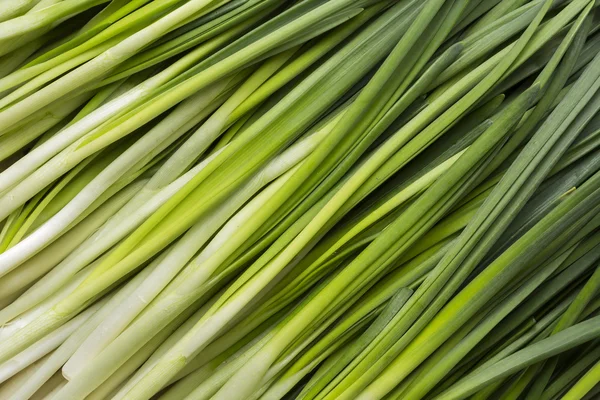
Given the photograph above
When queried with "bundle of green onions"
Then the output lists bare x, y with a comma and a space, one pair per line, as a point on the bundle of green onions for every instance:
309, 199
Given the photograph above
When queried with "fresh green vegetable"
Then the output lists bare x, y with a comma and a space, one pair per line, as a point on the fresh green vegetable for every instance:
308, 199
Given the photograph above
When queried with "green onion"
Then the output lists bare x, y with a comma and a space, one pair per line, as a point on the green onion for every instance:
309, 199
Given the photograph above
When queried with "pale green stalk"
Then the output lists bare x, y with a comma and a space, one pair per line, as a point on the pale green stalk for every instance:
214, 126
119, 224
212, 385
345, 330
51, 394
46, 204
114, 107
25, 318
52, 69
155, 345
186, 247
215, 377
13, 8
45, 16
89, 383
353, 320
227, 348
137, 342
248, 15
43, 120
36, 39
45, 345
99, 30
9, 387
26, 45
61, 355
123, 50
118, 14
124, 125
169, 129
145, 355
154, 348
102, 63
39, 81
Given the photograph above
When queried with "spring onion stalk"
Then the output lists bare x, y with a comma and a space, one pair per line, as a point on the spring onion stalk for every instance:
296, 372
37, 37
321, 189
568, 376
449, 307
176, 124
9, 386
225, 388
40, 123
584, 385
144, 355
45, 345
218, 357
57, 70
58, 357
317, 199
294, 285
578, 263
26, 318
86, 253
16, 8
581, 333
135, 96
185, 248
151, 283
147, 355
49, 15
435, 364
103, 62
570, 317
364, 378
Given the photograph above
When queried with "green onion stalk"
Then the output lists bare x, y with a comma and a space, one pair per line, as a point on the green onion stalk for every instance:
317, 199
243, 369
